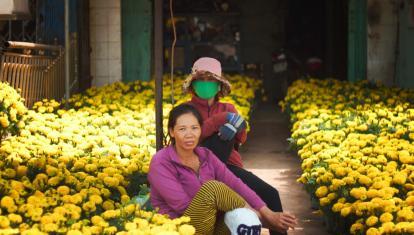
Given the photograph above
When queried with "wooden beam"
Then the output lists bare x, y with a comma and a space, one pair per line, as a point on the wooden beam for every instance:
85, 79
158, 71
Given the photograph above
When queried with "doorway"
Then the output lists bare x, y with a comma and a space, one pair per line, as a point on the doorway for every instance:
319, 28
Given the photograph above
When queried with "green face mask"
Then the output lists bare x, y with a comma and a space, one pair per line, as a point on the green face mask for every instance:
206, 89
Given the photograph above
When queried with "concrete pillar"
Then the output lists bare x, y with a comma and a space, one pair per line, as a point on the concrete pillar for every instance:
405, 61
382, 36
105, 36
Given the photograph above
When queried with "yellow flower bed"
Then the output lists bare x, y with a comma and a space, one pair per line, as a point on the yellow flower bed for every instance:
12, 110
74, 170
356, 145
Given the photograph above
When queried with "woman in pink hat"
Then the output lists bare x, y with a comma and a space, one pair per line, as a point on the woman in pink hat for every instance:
223, 128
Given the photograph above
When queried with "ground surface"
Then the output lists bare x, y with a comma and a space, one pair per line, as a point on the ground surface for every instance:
266, 154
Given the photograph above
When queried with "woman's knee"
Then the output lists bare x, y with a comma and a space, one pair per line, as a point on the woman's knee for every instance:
267, 189
219, 194
272, 199
275, 192
213, 185
213, 188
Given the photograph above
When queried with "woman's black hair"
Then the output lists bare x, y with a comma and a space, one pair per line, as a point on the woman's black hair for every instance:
179, 110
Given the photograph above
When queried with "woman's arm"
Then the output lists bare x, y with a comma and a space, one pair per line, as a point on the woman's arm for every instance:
212, 124
242, 135
279, 221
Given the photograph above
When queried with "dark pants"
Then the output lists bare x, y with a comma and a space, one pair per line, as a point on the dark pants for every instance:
266, 192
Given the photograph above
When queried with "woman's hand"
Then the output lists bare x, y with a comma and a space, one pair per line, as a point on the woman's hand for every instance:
237, 121
278, 221
281, 221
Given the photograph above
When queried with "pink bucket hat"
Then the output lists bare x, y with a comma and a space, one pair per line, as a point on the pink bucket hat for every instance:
210, 67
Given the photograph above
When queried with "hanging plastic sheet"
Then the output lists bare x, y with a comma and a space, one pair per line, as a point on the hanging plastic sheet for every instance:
14, 9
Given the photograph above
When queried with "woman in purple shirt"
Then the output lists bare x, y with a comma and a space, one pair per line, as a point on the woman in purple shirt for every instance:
187, 180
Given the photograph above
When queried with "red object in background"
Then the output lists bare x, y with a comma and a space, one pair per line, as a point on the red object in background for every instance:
313, 64
279, 62
277, 57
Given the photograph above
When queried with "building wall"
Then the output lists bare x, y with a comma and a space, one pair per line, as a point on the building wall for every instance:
382, 36
405, 59
105, 36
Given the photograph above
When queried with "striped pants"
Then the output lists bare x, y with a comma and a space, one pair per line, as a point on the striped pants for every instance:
207, 208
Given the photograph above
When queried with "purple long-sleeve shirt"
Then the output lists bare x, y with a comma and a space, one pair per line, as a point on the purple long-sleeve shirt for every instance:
174, 185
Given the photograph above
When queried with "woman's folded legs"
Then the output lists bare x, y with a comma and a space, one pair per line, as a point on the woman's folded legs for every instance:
211, 201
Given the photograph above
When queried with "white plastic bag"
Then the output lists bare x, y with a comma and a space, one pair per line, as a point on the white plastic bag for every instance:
242, 221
